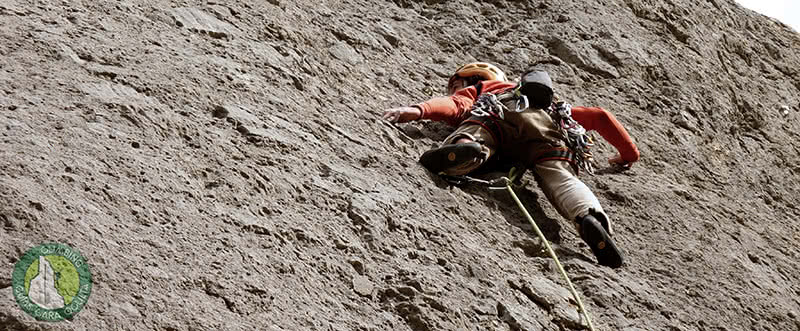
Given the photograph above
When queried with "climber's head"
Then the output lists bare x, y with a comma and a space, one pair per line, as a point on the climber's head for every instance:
472, 73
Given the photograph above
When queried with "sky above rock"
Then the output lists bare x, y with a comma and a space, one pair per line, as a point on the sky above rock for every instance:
786, 11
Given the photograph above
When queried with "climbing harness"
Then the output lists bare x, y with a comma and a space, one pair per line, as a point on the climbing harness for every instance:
506, 183
578, 141
491, 106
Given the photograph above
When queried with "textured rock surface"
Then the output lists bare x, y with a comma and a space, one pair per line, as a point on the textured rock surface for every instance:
222, 165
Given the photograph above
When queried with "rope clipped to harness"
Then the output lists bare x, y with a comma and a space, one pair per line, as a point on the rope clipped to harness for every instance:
506, 183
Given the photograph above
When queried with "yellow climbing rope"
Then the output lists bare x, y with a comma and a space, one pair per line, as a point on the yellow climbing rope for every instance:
506, 182
512, 175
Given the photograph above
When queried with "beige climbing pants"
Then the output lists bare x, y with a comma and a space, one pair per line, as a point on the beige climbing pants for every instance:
557, 178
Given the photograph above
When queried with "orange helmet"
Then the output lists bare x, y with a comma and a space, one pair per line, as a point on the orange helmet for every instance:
472, 73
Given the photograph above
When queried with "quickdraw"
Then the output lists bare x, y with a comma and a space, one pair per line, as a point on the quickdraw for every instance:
574, 134
488, 105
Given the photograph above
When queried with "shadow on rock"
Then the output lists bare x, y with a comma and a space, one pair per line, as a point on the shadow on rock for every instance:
501, 199
551, 228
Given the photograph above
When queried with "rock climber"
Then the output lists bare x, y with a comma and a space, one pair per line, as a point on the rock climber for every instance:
526, 124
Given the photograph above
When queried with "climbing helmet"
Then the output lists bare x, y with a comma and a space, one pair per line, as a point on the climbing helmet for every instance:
472, 73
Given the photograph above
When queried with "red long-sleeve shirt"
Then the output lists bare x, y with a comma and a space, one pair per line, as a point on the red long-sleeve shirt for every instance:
456, 108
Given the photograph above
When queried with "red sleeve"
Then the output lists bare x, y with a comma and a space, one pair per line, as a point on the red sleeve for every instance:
455, 109
602, 121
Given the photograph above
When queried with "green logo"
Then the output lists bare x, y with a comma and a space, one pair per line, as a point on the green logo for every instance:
52, 282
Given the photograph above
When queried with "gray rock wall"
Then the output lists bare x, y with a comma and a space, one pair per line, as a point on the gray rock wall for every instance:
222, 166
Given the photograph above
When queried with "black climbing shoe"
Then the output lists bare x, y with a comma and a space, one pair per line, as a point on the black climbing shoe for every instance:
603, 247
448, 156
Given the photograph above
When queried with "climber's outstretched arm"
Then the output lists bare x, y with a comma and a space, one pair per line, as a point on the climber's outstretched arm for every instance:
451, 109
602, 121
